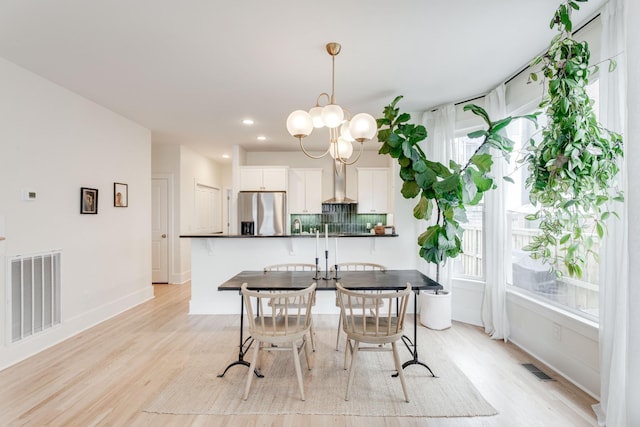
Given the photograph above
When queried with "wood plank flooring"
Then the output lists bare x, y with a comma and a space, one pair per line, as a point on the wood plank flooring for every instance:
105, 376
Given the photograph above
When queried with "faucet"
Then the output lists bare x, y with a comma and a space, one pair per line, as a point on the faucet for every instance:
297, 226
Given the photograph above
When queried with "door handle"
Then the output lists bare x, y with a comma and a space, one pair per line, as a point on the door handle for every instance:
164, 236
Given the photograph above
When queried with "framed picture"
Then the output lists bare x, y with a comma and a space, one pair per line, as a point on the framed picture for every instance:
88, 200
120, 195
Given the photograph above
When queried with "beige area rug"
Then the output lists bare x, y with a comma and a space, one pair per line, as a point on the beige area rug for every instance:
197, 389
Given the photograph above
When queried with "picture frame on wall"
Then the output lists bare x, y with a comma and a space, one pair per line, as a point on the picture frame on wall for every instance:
120, 195
88, 200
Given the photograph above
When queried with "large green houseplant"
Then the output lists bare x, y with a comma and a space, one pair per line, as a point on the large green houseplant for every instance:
572, 169
443, 191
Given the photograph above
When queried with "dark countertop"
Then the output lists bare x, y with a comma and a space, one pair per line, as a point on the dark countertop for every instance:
297, 236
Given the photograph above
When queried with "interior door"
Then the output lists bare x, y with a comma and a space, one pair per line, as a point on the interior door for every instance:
159, 231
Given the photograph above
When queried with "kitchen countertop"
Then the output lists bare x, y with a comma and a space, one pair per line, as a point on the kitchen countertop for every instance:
239, 236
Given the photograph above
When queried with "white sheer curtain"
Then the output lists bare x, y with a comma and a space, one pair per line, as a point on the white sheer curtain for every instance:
614, 277
438, 147
496, 256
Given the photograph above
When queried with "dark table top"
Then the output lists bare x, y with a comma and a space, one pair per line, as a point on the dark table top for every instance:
364, 280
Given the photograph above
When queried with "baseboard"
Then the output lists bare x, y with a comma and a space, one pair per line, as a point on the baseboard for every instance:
180, 278
14, 353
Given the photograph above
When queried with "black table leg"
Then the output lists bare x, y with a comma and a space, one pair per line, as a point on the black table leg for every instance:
244, 347
413, 346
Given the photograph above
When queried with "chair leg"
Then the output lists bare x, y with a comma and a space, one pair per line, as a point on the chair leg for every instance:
347, 353
396, 359
312, 333
254, 360
354, 353
296, 363
338, 333
306, 352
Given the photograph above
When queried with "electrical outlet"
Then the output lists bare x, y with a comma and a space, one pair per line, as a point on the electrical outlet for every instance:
557, 332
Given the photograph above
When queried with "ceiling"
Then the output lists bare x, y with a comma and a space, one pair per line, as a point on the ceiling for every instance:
192, 70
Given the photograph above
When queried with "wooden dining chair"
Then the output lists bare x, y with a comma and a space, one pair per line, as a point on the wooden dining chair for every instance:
354, 266
295, 267
290, 267
275, 327
376, 327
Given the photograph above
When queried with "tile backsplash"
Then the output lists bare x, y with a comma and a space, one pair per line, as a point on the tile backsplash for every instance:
341, 218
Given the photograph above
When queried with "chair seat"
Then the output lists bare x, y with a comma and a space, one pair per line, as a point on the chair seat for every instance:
288, 327
374, 330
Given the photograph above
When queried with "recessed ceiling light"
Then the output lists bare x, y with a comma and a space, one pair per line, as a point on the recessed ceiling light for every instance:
262, 138
247, 121
226, 156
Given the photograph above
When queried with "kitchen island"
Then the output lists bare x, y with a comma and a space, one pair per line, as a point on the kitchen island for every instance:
216, 258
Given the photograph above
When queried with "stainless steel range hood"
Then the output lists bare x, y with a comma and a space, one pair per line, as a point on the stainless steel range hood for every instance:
340, 188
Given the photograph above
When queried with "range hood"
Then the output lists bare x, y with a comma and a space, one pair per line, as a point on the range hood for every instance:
340, 188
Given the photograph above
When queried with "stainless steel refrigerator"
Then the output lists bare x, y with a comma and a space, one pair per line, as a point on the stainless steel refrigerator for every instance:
262, 213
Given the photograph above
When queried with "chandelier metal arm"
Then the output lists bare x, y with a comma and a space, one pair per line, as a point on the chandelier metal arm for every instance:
345, 162
320, 96
311, 155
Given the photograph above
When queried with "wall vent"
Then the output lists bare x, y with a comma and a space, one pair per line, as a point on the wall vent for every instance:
33, 298
537, 372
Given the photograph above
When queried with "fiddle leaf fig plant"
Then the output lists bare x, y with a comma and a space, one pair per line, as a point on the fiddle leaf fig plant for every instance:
572, 169
443, 190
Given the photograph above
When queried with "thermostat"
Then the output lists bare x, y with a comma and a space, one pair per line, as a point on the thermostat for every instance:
28, 195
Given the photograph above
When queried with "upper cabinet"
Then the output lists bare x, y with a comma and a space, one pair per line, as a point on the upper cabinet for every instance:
373, 190
263, 178
305, 191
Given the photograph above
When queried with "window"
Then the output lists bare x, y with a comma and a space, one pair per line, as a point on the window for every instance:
579, 296
469, 264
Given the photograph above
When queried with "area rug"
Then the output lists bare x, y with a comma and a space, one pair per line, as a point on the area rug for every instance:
197, 389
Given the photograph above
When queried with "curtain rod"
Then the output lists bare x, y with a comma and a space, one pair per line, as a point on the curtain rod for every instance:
597, 15
470, 99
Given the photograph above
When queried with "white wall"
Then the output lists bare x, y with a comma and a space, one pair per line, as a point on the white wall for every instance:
53, 142
568, 344
186, 168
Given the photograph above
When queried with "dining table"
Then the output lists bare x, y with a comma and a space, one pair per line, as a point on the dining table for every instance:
354, 280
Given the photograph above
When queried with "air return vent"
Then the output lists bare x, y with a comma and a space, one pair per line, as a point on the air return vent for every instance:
537, 372
34, 294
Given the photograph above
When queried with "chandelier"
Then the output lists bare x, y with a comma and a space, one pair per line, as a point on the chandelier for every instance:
343, 131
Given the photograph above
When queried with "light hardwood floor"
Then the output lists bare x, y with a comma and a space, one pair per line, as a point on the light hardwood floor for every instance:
105, 376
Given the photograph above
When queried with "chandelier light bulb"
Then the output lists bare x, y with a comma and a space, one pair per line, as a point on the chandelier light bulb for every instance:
341, 150
344, 131
363, 127
316, 116
299, 124
332, 115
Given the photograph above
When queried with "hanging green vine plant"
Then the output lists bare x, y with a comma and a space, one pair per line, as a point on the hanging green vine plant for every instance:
441, 189
572, 168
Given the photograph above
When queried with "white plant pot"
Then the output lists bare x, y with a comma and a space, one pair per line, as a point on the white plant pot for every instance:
435, 310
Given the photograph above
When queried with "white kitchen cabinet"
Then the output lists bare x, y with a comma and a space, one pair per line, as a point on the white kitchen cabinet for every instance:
305, 191
373, 190
259, 178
